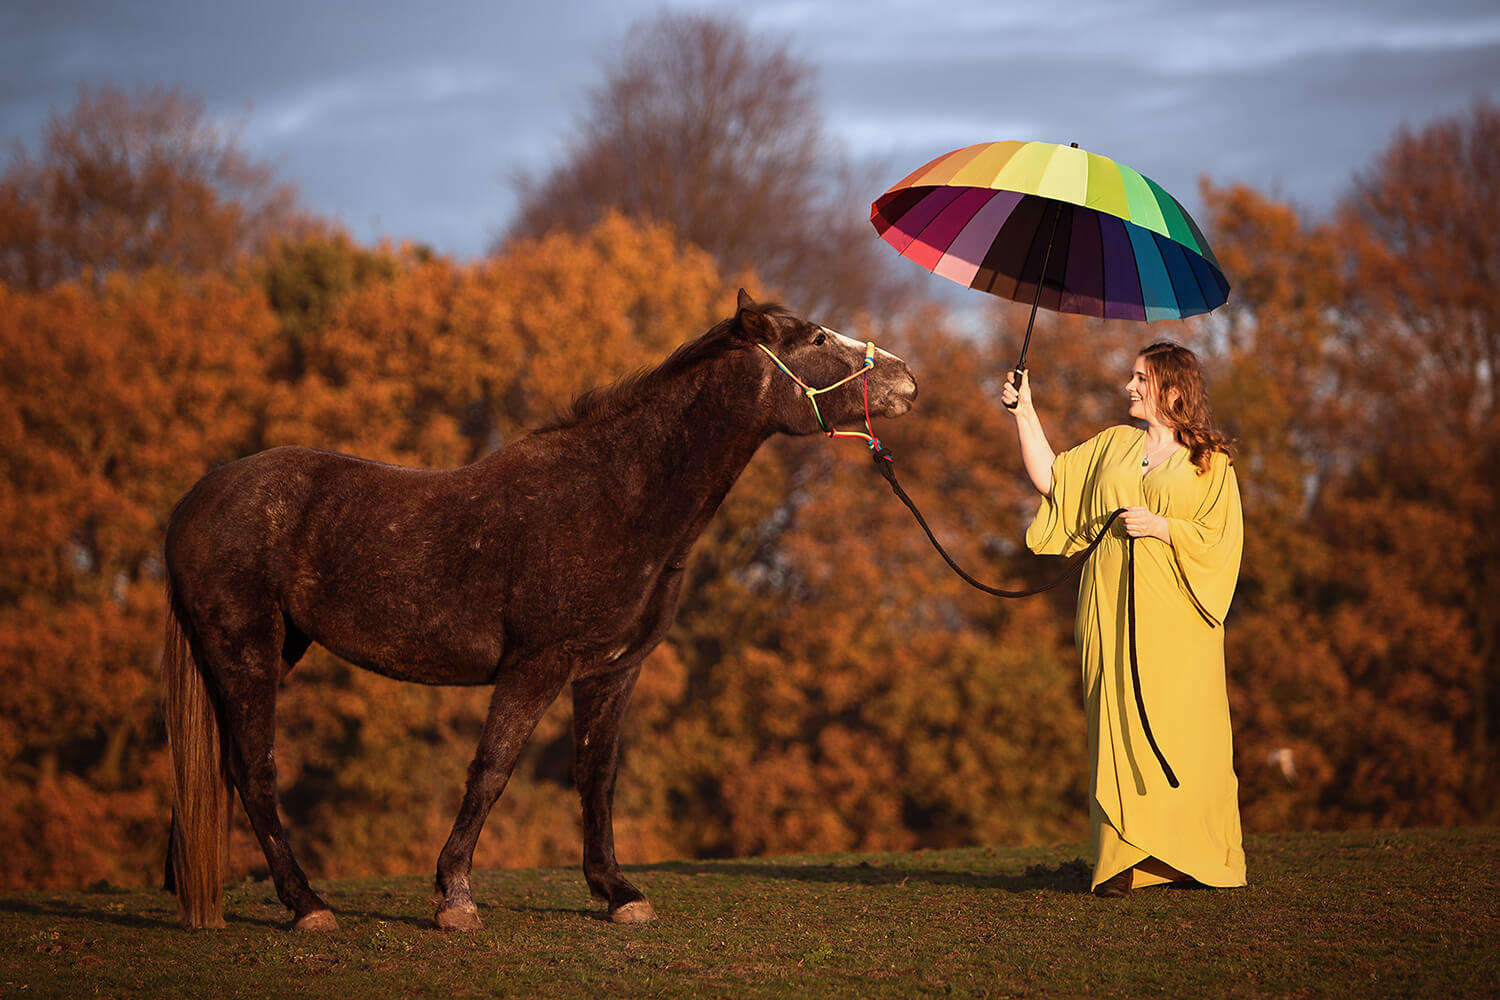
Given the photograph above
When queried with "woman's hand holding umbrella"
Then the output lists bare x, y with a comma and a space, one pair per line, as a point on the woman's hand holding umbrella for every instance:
1018, 400
1036, 452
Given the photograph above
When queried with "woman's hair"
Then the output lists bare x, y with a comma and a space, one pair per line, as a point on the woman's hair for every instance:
1174, 367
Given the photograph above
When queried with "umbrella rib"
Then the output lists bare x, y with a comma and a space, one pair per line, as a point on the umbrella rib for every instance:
1098, 259
1182, 285
1165, 247
1136, 291
1202, 269
1197, 283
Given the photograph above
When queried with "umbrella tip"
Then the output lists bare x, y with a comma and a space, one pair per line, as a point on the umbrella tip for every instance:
1075, 145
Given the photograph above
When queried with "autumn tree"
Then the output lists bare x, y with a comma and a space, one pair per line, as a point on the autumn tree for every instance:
125, 182
131, 361
1278, 397
717, 132
1358, 383
1427, 350
114, 398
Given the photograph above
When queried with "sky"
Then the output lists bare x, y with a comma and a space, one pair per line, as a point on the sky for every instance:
406, 120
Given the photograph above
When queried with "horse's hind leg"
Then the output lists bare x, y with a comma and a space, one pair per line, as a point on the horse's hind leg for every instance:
598, 710
521, 696
246, 662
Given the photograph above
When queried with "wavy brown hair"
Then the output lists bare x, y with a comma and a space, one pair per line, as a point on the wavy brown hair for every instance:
1172, 366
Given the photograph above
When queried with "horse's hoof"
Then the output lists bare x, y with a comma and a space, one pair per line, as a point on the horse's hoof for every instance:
637, 911
317, 920
463, 917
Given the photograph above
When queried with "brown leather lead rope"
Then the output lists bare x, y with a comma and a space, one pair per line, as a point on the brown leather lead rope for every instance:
887, 467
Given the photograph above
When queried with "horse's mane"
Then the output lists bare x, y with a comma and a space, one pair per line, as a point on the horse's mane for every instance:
607, 401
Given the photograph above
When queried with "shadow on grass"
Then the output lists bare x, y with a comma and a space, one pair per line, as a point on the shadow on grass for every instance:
1069, 877
67, 909
63, 909
94, 904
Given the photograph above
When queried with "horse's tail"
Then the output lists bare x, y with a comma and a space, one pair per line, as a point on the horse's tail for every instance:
198, 847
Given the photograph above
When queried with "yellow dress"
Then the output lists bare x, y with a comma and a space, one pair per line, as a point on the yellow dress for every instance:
1183, 591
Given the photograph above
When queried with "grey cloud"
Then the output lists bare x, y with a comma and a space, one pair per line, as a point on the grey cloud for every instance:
407, 120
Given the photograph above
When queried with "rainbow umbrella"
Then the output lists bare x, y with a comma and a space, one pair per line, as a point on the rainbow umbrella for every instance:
1056, 226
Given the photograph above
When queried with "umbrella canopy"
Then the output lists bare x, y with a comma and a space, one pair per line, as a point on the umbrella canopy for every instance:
1055, 226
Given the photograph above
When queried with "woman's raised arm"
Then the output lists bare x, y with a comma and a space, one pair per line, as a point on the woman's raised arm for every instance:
1036, 453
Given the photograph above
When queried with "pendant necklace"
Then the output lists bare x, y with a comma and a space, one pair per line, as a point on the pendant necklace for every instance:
1146, 457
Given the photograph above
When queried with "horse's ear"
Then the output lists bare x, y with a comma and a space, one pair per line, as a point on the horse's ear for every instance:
751, 320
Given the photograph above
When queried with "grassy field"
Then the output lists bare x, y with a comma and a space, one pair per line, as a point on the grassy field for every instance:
1368, 914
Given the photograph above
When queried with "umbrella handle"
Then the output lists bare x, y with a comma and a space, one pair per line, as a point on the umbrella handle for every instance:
1015, 381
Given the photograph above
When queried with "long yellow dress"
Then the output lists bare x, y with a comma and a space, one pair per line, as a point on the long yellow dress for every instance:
1183, 591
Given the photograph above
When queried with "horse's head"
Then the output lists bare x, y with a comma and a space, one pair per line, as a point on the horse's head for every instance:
798, 356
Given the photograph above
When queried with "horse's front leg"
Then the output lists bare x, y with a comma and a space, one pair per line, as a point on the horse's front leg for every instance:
520, 698
598, 709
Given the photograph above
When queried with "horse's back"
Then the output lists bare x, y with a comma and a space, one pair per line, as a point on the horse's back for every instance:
266, 495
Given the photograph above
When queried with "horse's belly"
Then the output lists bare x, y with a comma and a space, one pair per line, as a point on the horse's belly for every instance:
430, 647
422, 663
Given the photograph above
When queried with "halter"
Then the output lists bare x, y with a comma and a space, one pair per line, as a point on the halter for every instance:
812, 395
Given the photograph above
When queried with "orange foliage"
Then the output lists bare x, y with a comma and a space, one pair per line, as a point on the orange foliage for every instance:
1367, 644
115, 399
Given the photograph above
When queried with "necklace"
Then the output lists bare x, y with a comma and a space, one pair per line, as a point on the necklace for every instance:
1147, 456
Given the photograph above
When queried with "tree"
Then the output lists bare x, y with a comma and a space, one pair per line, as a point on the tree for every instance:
1279, 394
1353, 648
1424, 256
717, 133
113, 399
128, 182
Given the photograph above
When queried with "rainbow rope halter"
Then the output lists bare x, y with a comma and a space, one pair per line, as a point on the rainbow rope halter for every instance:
871, 441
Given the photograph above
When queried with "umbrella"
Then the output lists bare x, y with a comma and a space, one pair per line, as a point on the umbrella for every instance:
1056, 226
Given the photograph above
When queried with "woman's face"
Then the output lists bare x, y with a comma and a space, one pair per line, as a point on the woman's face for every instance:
1142, 392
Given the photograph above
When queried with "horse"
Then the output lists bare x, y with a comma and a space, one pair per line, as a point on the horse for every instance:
557, 559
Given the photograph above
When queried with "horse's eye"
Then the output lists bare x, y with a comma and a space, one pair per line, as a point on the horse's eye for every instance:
818, 340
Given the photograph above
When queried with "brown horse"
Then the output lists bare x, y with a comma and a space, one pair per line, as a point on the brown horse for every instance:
556, 559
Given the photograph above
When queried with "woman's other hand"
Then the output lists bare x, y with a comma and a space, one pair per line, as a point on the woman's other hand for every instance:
1143, 523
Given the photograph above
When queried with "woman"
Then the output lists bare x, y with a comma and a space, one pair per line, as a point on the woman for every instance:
1182, 507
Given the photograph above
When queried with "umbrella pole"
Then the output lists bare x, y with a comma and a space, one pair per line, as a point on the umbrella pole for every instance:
1015, 375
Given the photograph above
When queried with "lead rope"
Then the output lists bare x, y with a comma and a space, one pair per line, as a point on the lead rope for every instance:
1135, 667
887, 467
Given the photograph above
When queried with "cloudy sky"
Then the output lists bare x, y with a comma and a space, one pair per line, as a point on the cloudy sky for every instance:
408, 119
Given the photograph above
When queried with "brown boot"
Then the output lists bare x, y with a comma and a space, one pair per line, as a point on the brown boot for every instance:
1115, 886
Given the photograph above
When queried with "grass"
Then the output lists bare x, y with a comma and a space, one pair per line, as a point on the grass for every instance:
1351, 914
